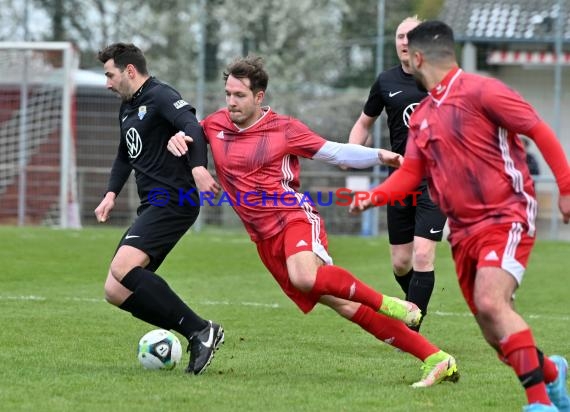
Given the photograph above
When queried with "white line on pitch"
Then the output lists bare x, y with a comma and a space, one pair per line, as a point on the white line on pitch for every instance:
268, 305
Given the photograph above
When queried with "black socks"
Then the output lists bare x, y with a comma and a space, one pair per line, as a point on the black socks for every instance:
153, 301
404, 281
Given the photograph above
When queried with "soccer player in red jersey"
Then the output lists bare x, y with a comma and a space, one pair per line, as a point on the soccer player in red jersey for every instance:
255, 151
416, 224
464, 138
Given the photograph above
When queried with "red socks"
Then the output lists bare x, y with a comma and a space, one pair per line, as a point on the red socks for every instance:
520, 351
393, 332
336, 281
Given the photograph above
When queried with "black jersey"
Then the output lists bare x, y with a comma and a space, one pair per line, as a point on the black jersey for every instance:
398, 92
154, 114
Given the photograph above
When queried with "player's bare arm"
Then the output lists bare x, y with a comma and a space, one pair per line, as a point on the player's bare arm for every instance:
178, 144
389, 158
359, 206
204, 180
360, 133
104, 209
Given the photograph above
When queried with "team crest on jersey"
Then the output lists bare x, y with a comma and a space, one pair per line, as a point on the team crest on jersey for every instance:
180, 103
408, 113
134, 143
142, 112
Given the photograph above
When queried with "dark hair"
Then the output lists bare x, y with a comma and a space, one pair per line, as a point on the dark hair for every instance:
250, 67
434, 38
124, 54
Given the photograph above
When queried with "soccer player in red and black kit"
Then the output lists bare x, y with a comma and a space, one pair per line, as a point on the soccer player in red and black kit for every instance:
150, 113
416, 225
255, 152
464, 138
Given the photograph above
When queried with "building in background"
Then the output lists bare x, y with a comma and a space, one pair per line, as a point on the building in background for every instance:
516, 41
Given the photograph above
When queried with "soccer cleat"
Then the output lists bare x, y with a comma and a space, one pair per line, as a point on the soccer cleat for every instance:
437, 368
407, 312
539, 407
202, 346
557, 389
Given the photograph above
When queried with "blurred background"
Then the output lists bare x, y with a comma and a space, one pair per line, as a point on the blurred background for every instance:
322, 57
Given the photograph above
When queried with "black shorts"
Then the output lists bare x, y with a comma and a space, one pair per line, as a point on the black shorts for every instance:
156, 230
423, 219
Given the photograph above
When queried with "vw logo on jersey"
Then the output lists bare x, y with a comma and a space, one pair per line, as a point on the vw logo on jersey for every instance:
134, 143
408, 113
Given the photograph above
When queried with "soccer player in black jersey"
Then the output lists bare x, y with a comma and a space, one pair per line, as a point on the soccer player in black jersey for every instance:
413, 229
150, 113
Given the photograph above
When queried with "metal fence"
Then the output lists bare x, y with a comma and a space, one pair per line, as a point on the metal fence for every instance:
323, 183
97, 134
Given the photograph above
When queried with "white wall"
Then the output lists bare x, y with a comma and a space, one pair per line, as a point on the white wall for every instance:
536, 84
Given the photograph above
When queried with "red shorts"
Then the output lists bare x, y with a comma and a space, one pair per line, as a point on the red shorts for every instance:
296, 237
506, 246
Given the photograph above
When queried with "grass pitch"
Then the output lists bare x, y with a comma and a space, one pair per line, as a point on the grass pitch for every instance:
62, 348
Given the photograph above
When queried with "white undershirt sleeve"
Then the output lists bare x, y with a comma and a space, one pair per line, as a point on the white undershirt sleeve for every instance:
348, 154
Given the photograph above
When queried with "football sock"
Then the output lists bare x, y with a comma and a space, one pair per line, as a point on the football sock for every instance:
420, 290
393, 332
521, 353
155, 301
336, 281
404, 281
137, 307
548, 367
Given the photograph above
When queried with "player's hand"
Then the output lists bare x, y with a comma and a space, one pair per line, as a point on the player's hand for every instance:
564, 206
358, 206
104, 209
389, 158
204, 181
178, 144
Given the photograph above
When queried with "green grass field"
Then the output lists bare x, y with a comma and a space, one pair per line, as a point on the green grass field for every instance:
64, 349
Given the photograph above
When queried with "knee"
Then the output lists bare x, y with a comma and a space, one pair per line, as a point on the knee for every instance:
401, 264
346, 309
112, 292
423, 260
302, 280
487, 307
120, 267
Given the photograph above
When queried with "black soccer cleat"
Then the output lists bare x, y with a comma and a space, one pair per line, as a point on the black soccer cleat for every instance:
202, 346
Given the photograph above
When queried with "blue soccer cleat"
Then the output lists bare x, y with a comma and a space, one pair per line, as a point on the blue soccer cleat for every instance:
557, 389
539, 407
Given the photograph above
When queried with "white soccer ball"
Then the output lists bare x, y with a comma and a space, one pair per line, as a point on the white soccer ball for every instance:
159, 349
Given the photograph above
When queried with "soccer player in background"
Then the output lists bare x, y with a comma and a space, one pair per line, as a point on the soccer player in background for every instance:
415, 227
464, 138
255, 151
150, 113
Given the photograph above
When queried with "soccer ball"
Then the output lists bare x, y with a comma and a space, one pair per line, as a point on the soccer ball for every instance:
159, 349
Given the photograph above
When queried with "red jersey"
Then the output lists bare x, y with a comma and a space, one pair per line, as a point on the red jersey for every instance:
258, 167
465, 135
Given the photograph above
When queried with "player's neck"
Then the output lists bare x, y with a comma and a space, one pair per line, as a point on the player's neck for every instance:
254, 119
138, 83
437, 75
406, 67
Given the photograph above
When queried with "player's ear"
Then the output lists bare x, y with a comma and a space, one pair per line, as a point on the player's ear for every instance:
418, 58
131, 70
259, 96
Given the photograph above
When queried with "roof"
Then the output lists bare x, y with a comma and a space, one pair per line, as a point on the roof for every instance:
529, 21
534, 58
